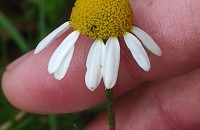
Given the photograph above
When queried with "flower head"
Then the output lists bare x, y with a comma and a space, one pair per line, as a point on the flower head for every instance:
101, 20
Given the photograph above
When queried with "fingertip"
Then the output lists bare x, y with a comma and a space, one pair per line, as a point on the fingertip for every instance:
18, 61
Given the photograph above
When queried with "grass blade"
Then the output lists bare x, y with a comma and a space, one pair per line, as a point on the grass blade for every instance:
7, 24
41, 22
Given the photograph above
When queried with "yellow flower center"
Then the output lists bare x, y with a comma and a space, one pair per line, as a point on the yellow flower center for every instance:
102, 18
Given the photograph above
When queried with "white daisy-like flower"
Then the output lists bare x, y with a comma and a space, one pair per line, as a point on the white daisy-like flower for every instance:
102, 20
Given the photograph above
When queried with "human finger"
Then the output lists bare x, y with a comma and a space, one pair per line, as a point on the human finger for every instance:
170, 104
30, 81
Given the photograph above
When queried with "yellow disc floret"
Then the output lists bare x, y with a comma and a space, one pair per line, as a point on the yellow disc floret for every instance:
102, 18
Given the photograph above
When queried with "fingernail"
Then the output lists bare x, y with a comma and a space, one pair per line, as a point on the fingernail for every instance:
17, 61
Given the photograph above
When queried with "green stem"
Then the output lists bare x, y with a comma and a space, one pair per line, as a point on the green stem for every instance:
110, 109
53, 122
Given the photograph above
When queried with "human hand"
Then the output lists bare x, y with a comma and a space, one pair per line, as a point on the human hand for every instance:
166, 104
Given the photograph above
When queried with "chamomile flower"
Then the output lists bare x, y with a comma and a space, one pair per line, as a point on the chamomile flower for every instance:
104, 21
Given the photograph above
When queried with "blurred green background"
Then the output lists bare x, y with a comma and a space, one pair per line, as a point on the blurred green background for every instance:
23, 23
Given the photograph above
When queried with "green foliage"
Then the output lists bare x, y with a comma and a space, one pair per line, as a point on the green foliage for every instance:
22, 24
7, 24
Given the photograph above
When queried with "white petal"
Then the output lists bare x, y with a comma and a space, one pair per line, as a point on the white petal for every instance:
93, 74
62, 70
63, 49
111, 62
49, 38
148, 42
137, 51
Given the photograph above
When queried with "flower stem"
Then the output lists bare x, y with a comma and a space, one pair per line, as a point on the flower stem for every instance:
110, 109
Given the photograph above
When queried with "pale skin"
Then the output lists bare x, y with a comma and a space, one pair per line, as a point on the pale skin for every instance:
170, 100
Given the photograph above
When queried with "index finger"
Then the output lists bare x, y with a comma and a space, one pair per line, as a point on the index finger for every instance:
28, 85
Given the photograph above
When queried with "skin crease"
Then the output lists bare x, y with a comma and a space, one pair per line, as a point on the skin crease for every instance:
174, 25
